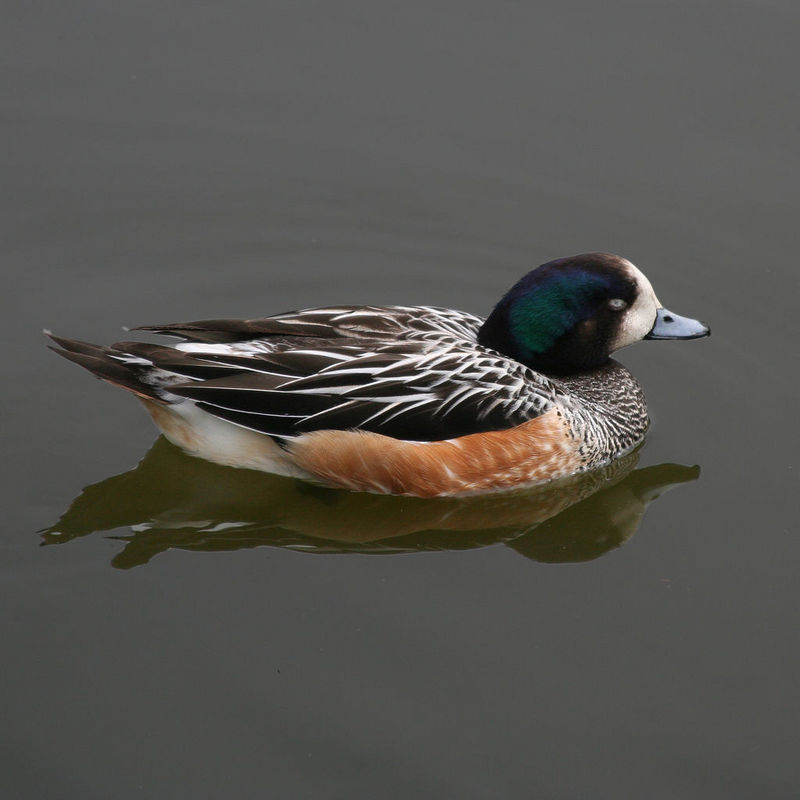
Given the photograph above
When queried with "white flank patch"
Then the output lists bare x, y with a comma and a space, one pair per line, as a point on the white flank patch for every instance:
206, 436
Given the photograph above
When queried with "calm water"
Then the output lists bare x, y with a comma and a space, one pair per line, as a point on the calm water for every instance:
192, 631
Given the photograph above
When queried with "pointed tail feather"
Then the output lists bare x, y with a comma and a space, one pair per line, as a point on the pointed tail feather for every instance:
100, 361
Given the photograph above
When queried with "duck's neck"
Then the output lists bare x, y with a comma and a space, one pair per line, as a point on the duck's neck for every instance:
607, 406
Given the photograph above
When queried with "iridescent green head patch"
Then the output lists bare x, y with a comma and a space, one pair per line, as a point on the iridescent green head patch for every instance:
542, 314
540, 320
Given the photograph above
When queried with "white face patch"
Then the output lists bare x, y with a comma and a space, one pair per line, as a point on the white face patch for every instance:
640, 317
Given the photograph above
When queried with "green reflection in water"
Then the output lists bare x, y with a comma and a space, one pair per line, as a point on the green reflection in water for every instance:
171, 500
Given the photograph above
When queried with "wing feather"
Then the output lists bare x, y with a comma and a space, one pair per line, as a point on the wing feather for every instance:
410, 373
375, 322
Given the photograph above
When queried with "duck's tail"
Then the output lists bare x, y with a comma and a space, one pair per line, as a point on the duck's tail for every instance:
114, 366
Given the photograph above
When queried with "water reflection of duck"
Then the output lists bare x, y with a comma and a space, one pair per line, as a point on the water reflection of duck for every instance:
171, 500
418, 401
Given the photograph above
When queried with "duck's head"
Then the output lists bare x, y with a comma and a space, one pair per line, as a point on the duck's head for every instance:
569, 315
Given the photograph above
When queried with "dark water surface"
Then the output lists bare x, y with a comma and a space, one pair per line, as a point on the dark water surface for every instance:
193, 631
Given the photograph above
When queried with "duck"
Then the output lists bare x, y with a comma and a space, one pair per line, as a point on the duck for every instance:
409, 400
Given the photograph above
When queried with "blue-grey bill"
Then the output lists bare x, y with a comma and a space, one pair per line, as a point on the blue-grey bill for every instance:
674, 326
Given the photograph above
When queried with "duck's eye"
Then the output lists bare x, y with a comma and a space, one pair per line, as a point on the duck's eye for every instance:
617, 304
